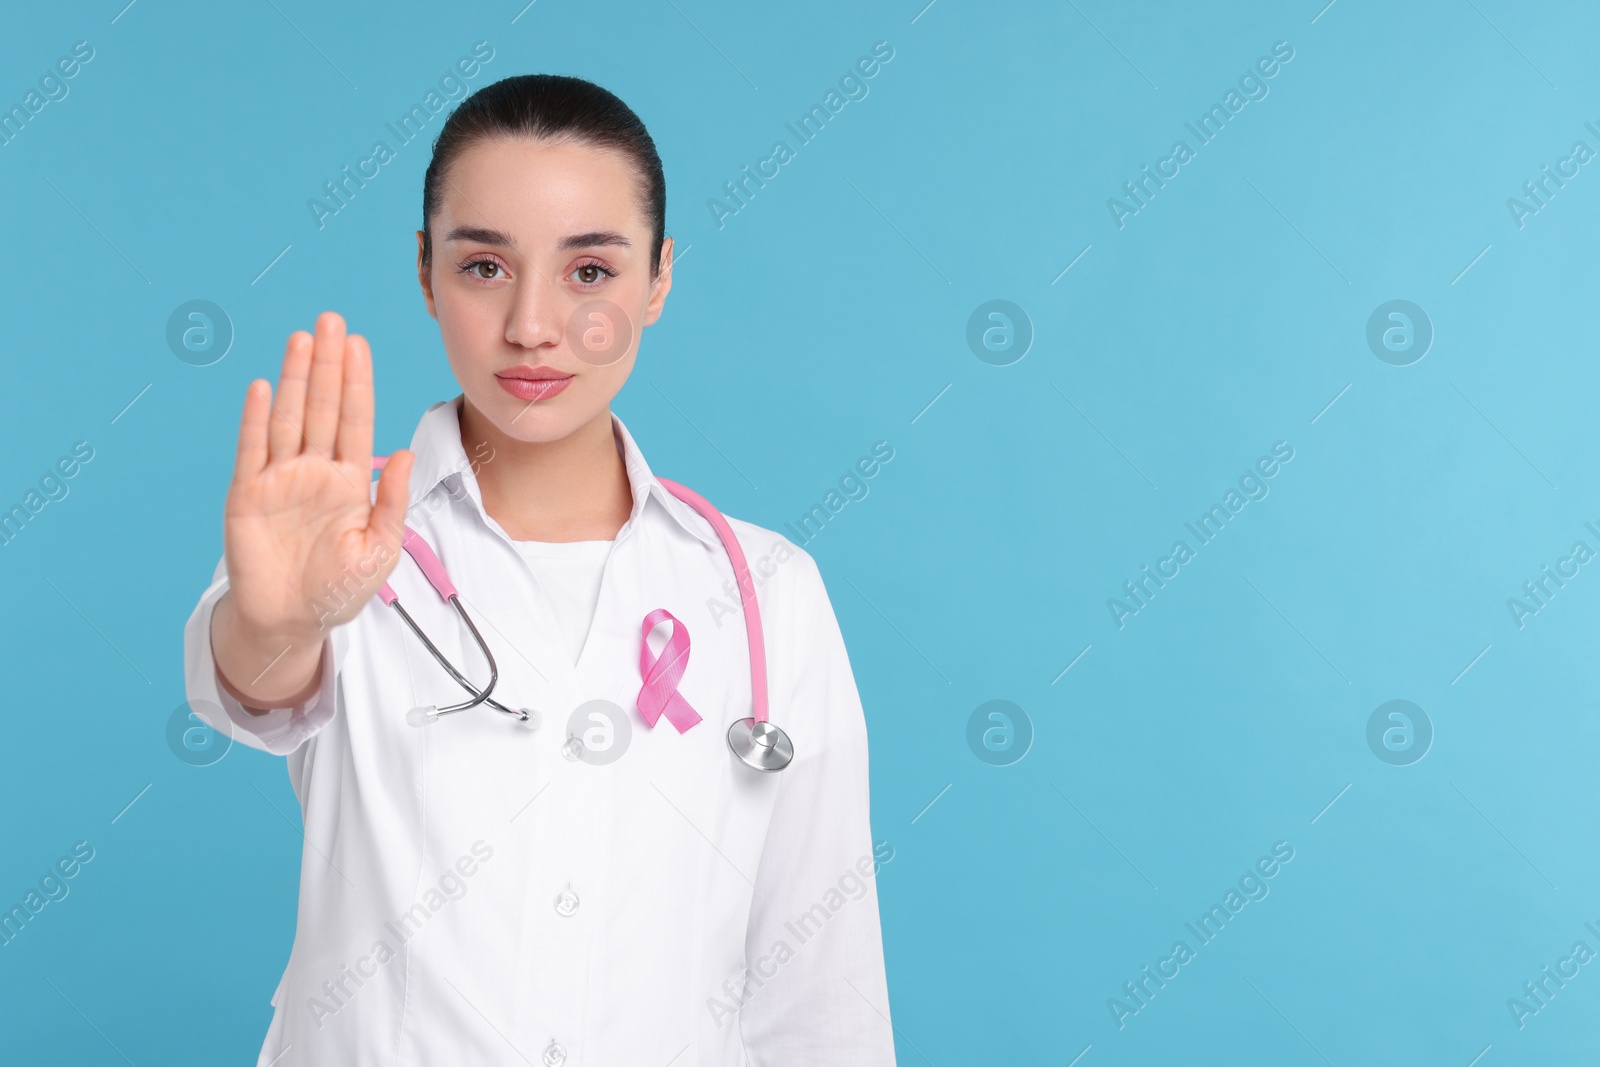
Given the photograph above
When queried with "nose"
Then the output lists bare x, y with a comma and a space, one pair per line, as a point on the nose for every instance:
538, 313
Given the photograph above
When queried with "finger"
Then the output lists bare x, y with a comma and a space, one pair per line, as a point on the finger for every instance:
283, 441
388, 518
327, 372
251, 456
355, 404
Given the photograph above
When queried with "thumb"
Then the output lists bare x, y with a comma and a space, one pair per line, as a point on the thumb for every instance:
387, 522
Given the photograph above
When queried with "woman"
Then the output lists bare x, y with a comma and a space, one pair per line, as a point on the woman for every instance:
584, 887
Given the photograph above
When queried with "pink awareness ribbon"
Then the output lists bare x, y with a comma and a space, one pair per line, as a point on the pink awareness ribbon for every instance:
662, 673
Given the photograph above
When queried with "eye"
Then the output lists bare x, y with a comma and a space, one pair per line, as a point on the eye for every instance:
471, 267
590, 274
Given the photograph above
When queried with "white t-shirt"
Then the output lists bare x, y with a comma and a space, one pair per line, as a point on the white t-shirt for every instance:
569, 573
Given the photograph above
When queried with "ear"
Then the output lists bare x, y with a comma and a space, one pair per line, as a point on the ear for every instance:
425, 277
661, 286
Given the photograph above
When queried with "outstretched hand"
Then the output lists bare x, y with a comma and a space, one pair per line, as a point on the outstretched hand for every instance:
300, 527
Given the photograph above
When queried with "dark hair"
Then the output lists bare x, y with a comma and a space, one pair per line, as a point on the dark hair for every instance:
553, 107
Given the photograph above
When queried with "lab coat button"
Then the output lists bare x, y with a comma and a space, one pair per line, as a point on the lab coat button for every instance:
566, 902
554, 1055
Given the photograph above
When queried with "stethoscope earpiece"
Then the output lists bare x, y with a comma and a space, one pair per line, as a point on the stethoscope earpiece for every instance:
760, 744
427, 716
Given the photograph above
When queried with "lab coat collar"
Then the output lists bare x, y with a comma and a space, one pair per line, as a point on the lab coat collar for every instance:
440, 457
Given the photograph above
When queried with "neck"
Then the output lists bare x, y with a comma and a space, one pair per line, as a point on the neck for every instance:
574, 489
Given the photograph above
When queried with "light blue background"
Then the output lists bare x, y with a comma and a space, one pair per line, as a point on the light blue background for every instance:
826, 316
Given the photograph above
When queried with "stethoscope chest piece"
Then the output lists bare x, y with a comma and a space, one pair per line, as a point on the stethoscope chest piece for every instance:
760, 745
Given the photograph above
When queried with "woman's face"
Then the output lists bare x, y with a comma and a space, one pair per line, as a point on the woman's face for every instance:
541, 266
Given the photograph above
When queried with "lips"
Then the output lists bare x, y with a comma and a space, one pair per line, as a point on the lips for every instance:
533, 373
533, 383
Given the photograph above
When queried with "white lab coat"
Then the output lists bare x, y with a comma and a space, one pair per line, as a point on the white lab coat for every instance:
470, 895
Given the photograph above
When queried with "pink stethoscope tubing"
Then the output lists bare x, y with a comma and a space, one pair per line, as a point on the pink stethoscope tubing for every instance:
755, 730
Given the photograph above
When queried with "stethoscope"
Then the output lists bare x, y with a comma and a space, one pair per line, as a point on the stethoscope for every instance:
757, 742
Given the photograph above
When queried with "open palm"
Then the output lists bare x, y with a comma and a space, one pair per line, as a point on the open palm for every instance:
306, 545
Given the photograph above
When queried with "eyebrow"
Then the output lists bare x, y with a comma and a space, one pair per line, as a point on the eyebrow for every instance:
483, 235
